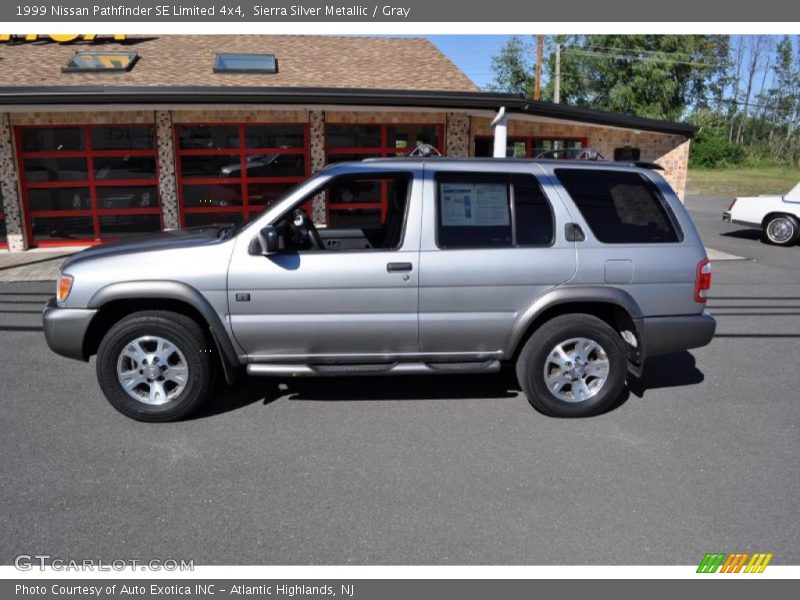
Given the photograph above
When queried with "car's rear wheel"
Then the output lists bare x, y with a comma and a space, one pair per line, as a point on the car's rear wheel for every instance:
781, 230
573, 366
155, 366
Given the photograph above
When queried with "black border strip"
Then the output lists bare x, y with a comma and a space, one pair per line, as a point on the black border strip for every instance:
514, 103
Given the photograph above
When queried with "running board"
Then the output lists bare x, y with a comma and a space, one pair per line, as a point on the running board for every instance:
399, 368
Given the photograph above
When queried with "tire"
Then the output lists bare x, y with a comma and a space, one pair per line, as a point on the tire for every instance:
136, 351
781, 230
601, 385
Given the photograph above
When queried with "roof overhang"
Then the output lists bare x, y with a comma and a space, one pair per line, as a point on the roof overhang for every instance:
245, 95
600, 117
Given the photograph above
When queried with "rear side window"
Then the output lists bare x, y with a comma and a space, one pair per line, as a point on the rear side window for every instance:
491, 211
621, 207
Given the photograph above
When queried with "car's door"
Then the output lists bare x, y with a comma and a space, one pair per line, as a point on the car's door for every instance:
490, 246
343, 303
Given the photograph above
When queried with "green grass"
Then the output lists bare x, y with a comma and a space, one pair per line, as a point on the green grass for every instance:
742, 181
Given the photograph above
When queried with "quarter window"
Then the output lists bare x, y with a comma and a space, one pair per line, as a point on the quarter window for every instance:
620, 207
492, 211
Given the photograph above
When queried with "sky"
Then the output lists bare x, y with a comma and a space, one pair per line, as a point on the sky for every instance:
471, 53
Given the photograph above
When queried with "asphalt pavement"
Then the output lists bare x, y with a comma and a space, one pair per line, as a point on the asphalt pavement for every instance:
701, 456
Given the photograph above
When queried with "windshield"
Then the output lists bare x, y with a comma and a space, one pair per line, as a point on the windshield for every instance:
793, 194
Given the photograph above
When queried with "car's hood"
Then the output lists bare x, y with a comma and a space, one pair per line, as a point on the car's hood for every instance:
165, 240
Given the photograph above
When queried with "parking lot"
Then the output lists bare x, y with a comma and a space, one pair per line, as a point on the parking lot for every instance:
702, 455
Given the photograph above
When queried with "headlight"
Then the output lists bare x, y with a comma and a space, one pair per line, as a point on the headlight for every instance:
64, 287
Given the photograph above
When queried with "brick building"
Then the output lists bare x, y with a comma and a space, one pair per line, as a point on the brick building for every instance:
102, 138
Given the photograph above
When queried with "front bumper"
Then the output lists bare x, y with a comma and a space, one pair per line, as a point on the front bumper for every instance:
65, 329
665, 335
726, 217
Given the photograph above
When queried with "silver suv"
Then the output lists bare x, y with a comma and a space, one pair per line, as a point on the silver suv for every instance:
573, 271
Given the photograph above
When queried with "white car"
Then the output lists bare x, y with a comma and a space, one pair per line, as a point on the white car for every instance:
777, 216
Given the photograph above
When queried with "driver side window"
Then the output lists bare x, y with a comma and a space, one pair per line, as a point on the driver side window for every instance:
366, 211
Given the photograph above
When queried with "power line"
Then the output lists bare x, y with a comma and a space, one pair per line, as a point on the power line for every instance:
642, 59
637, 50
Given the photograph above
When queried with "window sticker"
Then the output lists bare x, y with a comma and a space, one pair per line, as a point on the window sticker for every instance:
457, 201
474, 205
491, 205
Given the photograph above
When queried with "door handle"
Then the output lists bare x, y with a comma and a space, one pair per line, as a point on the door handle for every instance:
398, 267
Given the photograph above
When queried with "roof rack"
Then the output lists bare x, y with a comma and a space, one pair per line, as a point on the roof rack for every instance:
572, 153
571, 161
422, 150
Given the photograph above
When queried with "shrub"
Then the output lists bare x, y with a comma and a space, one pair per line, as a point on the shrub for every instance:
710, 149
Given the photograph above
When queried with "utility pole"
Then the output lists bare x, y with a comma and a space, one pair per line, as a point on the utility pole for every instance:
557, 83
537, 84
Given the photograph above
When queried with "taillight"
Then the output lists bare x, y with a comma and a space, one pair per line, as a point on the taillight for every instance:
702, 281
730, 208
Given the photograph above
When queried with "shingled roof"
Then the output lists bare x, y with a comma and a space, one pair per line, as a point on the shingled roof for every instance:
399, 63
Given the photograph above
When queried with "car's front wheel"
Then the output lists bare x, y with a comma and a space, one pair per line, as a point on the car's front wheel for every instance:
781, 230
573, 366
155, 366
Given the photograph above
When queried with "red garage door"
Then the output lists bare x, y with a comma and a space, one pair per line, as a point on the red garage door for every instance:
230, 172
366, 205
88, 183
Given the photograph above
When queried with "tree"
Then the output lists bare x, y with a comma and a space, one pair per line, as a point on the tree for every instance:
513, 67
657, 76
758, 51
743, 91
786, 91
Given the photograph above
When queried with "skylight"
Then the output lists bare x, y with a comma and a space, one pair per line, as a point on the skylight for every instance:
245, 63
91, 62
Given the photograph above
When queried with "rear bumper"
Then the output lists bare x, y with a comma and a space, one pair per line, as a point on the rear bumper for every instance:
65, 329
665, 335
727, 218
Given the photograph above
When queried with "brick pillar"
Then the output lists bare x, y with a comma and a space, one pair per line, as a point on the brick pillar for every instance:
167, 185
673, 156
12, 202
316, 132
457, 135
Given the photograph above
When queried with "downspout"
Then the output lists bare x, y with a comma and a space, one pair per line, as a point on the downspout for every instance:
500, 126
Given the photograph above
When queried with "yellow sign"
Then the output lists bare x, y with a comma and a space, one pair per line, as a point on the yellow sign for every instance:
61, 38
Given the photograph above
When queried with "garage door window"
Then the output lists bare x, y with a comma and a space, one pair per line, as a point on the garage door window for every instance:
533, 147
354, 142
492, 211
229, 173
620, 207
89, 183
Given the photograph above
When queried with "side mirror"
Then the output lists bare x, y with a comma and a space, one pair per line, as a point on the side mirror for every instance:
265, 242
